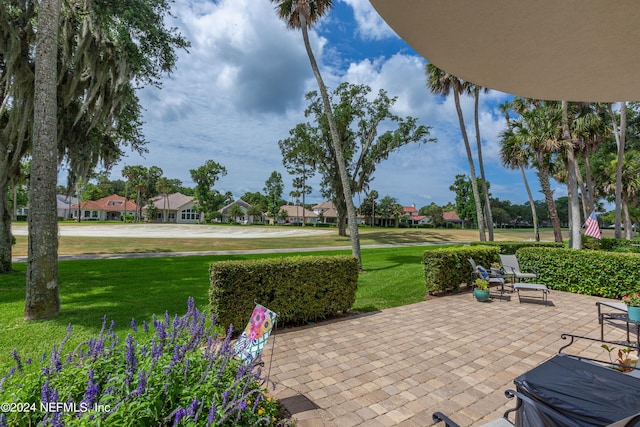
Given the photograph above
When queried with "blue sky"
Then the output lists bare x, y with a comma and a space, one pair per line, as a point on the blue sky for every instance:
241, 89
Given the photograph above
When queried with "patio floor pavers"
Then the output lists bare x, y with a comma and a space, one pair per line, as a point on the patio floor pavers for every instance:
450, 354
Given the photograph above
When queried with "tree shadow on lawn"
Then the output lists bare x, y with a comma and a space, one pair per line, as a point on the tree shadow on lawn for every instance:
393, 261
121, 291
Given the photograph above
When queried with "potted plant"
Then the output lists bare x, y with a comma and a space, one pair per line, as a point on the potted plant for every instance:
633, 306
481, 290
624, 363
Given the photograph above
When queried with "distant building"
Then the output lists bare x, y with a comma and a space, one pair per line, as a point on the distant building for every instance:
451, 217
64, 204
110, 208
244, 219
175, 208
410, 210
419, 220
294, 215
329, 214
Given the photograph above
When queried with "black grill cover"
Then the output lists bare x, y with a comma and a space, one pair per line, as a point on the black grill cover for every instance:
586, 393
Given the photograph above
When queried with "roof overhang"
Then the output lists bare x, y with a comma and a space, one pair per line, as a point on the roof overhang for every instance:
573, 50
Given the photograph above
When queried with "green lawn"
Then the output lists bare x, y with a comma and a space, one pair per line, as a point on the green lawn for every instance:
122, 289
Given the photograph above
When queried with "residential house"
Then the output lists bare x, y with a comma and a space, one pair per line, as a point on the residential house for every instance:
410, 210
327, 213
175, 208
451, 218
418, 220
412, 216
294, 215
64, 204
244, 219
110, 208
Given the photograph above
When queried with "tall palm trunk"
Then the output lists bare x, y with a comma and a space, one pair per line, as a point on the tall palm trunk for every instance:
545, 186
534, 214
575, 239
472, 169
337, 145
485, 189
588, 182
42, 298
628, 232
620, 135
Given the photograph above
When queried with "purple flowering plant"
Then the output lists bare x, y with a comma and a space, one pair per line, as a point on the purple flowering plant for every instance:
175, 372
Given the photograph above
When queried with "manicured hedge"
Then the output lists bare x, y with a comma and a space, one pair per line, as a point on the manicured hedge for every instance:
599, 273
445, 269
612, 245
510, 248
300, 289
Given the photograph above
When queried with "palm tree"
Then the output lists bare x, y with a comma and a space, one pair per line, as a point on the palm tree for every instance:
575, 238
440, 83
620, 135
630, 185
514, 154
373, 195
302, 14
537, 127
475, 91
164, 186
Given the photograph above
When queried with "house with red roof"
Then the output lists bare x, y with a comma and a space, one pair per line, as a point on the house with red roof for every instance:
410, 210
110, 208
451, 217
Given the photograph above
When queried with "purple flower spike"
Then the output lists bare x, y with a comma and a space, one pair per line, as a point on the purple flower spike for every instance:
133, 325
16, 357
132, 362
211, 418
180, 414
193, 408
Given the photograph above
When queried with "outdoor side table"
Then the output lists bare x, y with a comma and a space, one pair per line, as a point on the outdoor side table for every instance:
587, 393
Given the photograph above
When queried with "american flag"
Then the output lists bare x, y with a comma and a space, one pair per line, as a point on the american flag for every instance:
592, 227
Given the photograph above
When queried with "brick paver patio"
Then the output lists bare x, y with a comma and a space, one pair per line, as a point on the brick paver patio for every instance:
450, 354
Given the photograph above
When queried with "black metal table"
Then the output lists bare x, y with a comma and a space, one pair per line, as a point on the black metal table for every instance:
586, 393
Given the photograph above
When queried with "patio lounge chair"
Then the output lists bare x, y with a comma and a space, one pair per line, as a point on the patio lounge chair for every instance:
511, 268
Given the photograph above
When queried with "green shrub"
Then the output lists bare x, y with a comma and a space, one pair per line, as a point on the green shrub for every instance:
598, 273
445, 269
510, 248
611, 245
174, 372
299, 289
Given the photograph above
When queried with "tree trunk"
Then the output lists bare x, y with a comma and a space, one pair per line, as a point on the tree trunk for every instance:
628, 231
620, 141
42, 299
534, 214
575, 239
545, 186
485, 189
335, 138
5, 221
472, 169
589, 187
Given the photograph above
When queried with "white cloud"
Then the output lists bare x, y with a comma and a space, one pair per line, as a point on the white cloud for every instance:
370, 25
241, 89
